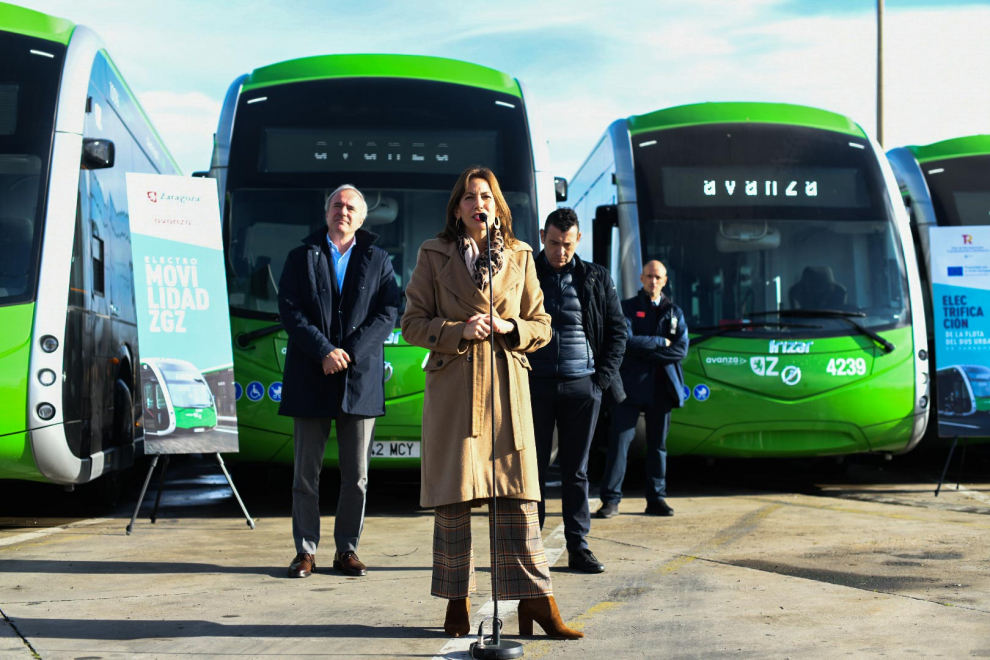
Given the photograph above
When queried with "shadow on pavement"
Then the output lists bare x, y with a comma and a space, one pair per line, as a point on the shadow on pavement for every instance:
75, 567
130, 629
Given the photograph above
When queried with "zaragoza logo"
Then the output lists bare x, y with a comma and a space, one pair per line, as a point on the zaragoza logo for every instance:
152, 195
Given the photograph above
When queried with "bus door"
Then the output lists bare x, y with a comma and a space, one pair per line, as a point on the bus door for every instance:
96, 325
156, 413
953, 395
112, 301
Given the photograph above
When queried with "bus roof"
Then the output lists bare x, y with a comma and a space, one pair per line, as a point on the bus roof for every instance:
42, 26
760, 113
35, 24
960, 147
382, 66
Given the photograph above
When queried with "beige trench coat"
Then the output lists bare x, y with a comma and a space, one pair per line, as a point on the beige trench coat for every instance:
457, 446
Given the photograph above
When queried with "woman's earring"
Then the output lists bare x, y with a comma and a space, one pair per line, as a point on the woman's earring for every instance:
497, 224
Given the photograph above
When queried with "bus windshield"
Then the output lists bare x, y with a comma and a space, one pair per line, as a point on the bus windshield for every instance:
190, 394
979, 380
29, 83
403, 143
960, 189
755, 219
186, 386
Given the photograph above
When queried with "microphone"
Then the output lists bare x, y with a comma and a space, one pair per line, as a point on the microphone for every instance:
483, 216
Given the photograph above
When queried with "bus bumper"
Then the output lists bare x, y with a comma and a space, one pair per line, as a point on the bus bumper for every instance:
57, 463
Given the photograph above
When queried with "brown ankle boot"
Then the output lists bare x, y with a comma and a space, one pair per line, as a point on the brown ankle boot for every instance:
458, 621
544, 612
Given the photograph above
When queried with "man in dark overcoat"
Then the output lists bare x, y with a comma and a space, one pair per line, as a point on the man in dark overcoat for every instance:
653, 382
338, 302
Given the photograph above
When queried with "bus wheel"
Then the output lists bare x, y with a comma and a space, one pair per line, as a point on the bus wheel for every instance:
123, 415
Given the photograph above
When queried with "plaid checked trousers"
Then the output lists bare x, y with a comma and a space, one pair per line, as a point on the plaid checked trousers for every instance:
522, 566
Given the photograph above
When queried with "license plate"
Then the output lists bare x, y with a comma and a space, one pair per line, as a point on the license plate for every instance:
395, 449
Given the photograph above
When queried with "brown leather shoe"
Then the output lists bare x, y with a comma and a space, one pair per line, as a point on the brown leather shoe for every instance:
458, 621
349, 564
302, 565
544, 612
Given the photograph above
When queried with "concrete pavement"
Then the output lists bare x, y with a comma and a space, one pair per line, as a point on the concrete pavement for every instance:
870, 567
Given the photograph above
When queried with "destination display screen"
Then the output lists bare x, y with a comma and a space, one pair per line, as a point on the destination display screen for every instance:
973, 207
8, 109
821, 187
960, 190
372, 150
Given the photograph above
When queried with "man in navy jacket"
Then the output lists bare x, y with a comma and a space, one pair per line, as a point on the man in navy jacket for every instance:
338, 302
653, 381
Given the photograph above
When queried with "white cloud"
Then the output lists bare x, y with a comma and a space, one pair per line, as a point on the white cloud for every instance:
589, 63
186, 123
937, 64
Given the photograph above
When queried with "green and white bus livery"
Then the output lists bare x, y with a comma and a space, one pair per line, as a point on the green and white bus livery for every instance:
177, 396
400, 128
945, 184
789, 251
69, 131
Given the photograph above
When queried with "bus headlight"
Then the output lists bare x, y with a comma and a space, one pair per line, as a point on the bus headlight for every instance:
46, 411
46, 377
923, 402
49, 344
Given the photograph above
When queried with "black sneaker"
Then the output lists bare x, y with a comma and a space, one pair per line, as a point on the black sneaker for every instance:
659, 508
607, 510
584, 561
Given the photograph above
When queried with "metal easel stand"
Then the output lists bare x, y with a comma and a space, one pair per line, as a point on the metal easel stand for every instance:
962, 464
161, 487
494, 646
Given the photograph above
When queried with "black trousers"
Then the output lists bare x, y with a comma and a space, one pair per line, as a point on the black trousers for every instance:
572, 407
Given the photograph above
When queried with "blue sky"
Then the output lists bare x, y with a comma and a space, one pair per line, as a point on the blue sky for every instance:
585, 63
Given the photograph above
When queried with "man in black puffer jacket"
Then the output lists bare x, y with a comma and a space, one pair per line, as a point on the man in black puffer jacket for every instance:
570, 373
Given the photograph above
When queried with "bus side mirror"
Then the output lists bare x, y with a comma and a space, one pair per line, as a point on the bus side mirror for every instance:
97, 154
606, 217
560, 187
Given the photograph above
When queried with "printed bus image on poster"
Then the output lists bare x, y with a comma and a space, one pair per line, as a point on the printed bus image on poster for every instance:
187, 374
960, 268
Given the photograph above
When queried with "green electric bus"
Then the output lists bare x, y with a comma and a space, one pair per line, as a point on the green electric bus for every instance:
177, 398
70, 129
789, 251
400, 128
945, 184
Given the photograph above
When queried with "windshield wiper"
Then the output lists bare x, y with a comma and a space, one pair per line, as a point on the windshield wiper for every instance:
243, 340
716, 330
833, 314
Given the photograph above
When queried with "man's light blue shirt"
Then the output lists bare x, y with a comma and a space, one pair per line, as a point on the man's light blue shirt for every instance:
340, 261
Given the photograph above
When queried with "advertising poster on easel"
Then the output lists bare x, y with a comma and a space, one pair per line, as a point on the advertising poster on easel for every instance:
187, 367
960, 271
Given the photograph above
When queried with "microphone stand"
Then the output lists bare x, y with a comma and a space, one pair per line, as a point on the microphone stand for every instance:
494, 646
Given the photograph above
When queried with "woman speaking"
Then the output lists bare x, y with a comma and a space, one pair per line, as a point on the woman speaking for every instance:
447, 303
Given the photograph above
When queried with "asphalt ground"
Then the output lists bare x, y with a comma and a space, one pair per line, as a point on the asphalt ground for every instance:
784, 559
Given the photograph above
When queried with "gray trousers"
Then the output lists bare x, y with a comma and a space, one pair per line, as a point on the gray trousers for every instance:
354, 436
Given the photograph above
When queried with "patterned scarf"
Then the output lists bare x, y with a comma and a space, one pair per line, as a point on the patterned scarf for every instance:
476, 259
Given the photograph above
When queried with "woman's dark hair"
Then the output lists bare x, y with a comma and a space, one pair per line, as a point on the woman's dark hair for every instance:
502, 211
